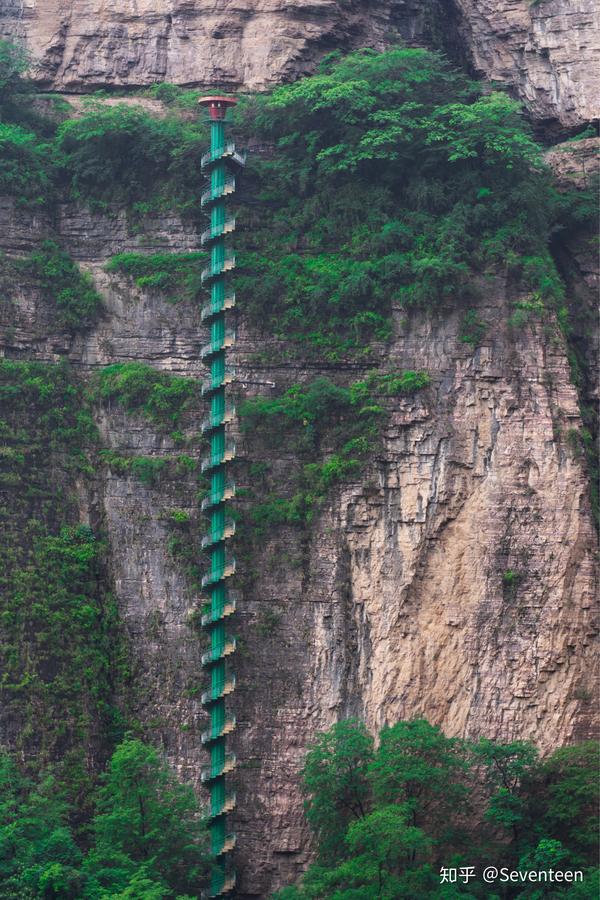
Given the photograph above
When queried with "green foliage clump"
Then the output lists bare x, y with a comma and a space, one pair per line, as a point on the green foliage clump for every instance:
48, 400
137, 387
13, 65
322, 418
473, 328
386, 818
123, 154
70, 291
147, 468
173, 95
564, 798
394, 182
24, 170
511, 579
52, 578
391, 385
146, 838
312, 406
175, 274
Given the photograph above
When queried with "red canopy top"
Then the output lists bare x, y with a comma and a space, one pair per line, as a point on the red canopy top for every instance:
217, 106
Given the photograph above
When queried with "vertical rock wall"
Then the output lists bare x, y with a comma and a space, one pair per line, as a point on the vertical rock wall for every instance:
400, 601
547, 51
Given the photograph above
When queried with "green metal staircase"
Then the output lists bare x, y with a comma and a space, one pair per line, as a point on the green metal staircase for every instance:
220, 165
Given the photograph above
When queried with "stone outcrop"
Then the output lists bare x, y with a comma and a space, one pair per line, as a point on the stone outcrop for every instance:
548, 51
577, 164
248, 44
453, 580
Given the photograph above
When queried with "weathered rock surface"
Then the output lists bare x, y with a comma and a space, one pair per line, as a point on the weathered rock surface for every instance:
547, 51
248, 44
577, 164
398, 603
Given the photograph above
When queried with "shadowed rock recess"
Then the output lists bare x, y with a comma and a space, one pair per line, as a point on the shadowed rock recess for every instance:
396, 602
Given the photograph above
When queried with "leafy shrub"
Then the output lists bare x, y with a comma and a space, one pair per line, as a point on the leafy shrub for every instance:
147, 468
138, 387
394, 181
473, 328
123, 154
525, 311
24, 170
177, 274
173, 95
72, 292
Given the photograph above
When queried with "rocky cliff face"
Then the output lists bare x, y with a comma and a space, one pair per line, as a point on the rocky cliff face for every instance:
547, 51
454, 580
246, 44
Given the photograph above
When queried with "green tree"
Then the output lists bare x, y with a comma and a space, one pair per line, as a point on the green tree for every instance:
38, 854
380, 847
335, 779
509, 768
147, 825
563, 800
417, 766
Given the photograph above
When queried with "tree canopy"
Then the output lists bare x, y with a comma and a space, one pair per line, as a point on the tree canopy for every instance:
388, 817
146, 840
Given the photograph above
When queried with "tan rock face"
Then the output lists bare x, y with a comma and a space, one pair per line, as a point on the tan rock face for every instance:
575, 163
548, 52
246, 43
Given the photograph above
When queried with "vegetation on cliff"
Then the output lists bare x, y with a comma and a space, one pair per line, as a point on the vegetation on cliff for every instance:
58, 693
138, 387
387, 819
395, 182
396, 179
331, 432
63, 651
146, 838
